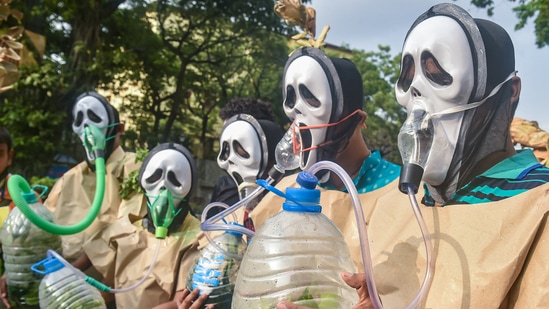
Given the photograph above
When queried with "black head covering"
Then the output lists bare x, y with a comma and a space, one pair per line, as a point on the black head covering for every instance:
114, 118
347, 92
484, 129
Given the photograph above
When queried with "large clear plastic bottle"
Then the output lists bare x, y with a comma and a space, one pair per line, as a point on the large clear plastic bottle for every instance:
297, 255
24, 244
62, 288
216, 267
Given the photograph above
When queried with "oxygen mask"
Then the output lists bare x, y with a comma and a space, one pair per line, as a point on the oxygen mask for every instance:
414, 142
163, 212
285, 155
93, 140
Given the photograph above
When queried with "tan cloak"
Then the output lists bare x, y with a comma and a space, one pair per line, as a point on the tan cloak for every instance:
123, 252
72, 196
490, 255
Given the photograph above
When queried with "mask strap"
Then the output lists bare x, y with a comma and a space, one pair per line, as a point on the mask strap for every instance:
319, 126
297, 145
464, 107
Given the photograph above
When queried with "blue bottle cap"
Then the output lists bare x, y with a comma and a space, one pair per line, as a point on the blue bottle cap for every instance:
307, 180
30, 197
306, 198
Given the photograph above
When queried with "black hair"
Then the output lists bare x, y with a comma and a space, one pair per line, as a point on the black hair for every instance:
5, 137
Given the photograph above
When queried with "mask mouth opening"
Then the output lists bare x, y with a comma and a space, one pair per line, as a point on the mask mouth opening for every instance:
238, 178
306, 141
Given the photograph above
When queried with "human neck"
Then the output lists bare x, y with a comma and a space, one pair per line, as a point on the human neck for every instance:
351, 159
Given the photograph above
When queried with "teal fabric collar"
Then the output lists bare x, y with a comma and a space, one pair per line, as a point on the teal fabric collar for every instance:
513, 167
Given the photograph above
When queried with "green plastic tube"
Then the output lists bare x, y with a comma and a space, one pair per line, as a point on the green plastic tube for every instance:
17, 186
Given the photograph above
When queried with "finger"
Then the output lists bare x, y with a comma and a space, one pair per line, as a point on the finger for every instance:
189, 299
5, 301
356, 281
198, 303
184, 294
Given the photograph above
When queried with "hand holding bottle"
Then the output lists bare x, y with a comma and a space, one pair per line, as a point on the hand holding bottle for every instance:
191, 300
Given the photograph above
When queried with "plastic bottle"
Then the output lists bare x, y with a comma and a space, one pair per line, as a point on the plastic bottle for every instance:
215, 269
297, 255
61, 288
24, 244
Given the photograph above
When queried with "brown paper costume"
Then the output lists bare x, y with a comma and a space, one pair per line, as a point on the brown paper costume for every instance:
490, 255
72, 196
123, 252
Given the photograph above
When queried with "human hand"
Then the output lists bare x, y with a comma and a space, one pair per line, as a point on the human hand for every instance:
357, 281
191, 300
4, 291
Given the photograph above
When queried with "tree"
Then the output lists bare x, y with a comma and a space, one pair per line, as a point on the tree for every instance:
525, 10
380, 72
199, 55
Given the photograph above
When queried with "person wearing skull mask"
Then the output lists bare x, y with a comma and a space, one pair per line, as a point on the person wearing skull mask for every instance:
72, 195
247, 147
466, 96
123, 251
459, 85
324, 96
226, 189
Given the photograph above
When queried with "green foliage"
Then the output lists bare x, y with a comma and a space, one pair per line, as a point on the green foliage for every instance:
199, 55
525, 10
130, 185
380, 71
31, 112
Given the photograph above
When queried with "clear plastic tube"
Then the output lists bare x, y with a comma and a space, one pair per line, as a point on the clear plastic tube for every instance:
101, 286
363, 236
210, 223
232, 227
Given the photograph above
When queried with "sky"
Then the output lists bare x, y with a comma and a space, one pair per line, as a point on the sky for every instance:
365, 24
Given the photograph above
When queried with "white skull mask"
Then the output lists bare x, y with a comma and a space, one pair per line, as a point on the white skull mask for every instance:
167, 169
437, 72
90, 111
243, 149
308, 101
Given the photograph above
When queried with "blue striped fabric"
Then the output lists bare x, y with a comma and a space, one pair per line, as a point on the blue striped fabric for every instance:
374, 173
508, 178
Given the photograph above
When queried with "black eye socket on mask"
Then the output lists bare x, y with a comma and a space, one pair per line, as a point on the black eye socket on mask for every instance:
406, 73
289, 102
225, 152
79, 118
173, 179
433, 70
93, 116
308, 96
240, 150
154, 177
